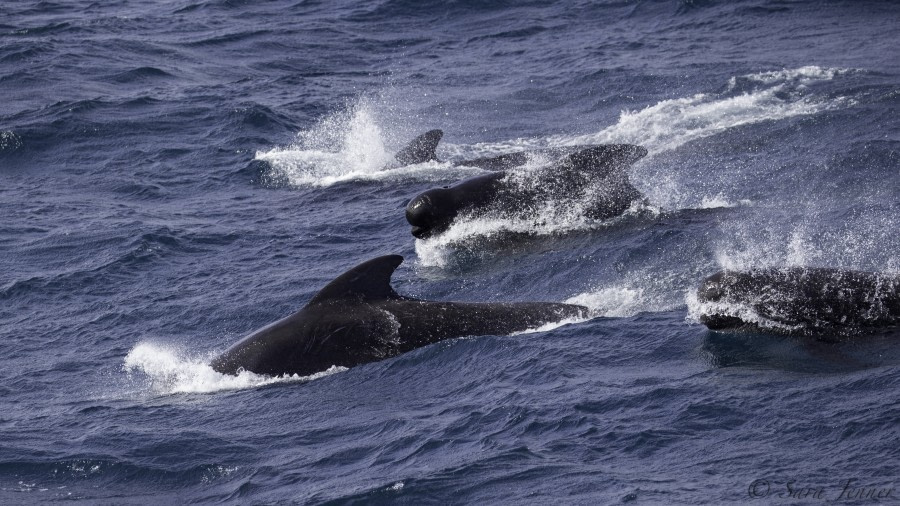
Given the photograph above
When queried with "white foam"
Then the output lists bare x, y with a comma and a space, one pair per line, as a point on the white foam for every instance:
552, 325
744, 312
672, 123
612, 301
167, 371
660, 127
467, 233
348, 145
347, 142
808, 236
351, 144
669, 124
802, 75
720, 202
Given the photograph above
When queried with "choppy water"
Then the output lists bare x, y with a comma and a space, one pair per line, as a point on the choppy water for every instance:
176, 174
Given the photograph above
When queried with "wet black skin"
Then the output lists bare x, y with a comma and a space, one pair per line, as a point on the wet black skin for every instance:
815, 300
419, 150
598, 169
358, 318
423, 148
433, 211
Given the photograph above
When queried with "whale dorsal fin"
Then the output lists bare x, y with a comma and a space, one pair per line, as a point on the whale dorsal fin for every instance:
368, 280
603, 160
421, 149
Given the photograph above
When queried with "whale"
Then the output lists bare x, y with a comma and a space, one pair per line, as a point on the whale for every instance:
821, 302
423, 149
594, 179
358, 318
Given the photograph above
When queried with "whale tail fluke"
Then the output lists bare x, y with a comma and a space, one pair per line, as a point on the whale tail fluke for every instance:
421, 149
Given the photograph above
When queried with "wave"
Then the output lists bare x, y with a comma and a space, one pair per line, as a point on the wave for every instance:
352, 144
669, 124
166, 371
672, 123
140, 75
646, 291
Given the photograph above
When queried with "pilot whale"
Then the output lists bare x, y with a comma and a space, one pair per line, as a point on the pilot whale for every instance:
358, 318
423, 149
808, 301
593, 178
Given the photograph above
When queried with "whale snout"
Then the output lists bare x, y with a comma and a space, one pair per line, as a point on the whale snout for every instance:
718, 288
429, 214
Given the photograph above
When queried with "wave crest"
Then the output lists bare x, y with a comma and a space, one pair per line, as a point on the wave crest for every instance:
163, 370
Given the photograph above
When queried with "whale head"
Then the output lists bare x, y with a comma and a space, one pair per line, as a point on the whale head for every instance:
720, 288
431, 212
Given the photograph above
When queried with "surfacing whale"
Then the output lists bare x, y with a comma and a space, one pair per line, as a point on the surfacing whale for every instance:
423, 149
805, 301
594, 179
358, 318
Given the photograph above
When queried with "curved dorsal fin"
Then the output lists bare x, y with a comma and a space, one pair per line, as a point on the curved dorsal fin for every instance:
603, 160
368, 280
421, 149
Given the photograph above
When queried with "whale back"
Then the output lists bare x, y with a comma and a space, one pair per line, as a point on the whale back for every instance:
421, 149
602, 161
358, 318
801, 300
369, 280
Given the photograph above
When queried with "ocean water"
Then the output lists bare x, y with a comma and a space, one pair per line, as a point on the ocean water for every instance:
176, 174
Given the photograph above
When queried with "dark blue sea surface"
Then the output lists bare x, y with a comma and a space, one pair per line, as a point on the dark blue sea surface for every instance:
175, 174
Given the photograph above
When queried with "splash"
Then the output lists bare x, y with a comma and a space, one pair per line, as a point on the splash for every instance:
616, 301
349, 145
672, 123
744, 312
767, 96
468, 235
344, 144
802, 76
866, 241
639, 292
553, 325
164, 371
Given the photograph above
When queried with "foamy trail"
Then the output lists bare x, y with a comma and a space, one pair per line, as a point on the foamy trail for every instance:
669, 124
163, 370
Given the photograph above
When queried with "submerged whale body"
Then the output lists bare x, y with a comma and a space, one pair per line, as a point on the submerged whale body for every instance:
818, 302
359, 318
423, 149
594, 179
